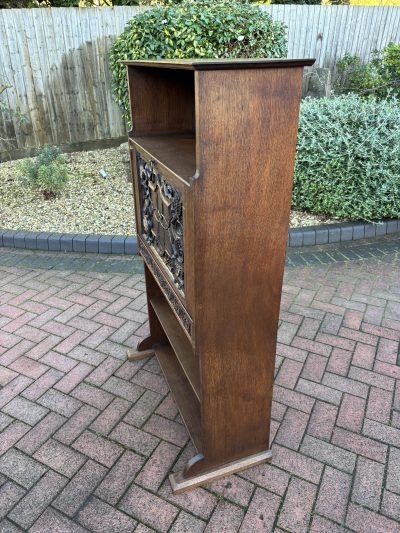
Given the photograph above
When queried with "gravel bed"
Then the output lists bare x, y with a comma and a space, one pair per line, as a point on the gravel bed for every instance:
90, 203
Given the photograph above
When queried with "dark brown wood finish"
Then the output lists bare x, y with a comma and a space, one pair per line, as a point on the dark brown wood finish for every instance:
233, 167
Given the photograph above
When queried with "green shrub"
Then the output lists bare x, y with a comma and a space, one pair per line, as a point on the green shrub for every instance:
380, 77
48, 173
348, 157
195, 28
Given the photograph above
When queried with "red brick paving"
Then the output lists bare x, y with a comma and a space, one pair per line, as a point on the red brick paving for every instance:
88, 439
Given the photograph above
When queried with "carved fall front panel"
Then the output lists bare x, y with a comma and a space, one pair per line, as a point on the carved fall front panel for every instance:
162, 217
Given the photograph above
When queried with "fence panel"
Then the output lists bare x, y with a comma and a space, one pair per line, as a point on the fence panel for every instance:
55, 62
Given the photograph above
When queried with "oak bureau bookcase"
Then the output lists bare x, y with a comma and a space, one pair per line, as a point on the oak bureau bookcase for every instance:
212, 150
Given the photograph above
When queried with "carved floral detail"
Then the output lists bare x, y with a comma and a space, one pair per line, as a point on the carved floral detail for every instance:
174, 301
162, 217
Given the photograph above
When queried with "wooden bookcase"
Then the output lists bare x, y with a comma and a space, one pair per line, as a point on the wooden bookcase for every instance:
212, 150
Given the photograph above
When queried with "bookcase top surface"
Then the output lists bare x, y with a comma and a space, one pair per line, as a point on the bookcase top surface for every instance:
219, 64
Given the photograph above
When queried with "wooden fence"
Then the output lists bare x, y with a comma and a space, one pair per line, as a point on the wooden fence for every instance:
55, 62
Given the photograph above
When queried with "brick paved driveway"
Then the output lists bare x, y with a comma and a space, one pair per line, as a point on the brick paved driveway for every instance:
87, 439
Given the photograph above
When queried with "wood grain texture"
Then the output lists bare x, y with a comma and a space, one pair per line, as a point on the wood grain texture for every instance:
245, 148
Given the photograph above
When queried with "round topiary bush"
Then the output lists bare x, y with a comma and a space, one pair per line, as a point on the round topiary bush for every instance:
195, 28
348, 158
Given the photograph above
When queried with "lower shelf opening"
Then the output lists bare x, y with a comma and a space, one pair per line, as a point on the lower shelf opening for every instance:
187, 402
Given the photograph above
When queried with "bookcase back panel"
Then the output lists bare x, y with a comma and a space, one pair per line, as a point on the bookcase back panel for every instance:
161, 101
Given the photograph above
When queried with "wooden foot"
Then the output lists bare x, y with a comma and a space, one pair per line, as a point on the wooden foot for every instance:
145, 344
134, 355
179, 483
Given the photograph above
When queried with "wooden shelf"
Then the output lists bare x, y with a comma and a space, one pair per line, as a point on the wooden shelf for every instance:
187, 402
176, 152
179, 342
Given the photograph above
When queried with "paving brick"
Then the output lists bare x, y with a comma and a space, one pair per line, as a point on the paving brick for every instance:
79, 488
328, 453
300, 496
291, 352
392, 371
124, 389
322, 525
25, 410
393, 473
98, 517
12, 389
148, 508
21, 468
351, 412
333, 495
372, 378
322, 420
341, 383
167, 429
98, 448
4, 421
292, 429
92, 396
312, 346
309, 328
360, 445
293, 399
119, 477
10, 494
53, 521
76, 424
6, 375
364, 356
143, 408
289, 373
151, 381
381, 432
43, 384
134, 438
12, 434
73, 378
187, 522
225, 517
157, 467
103, 371
59, 402
60, 458
379, 405
296, 463
368, 482
10, 355
40, 433
321, 392
339, 361
169, 409
388, 351
43, 347
58, 361
28, 367
391, 505
232, 488
35, 502
364, 521
267, 476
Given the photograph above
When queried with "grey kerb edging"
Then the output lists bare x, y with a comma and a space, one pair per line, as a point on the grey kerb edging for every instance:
120, 244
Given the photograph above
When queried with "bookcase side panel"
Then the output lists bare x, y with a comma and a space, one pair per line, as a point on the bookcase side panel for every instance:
246, 138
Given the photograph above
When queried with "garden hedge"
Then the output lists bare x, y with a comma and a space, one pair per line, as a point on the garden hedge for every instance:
348, 157
196, 28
